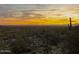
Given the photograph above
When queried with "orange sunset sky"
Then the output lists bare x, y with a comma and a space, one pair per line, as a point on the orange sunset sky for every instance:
39, 14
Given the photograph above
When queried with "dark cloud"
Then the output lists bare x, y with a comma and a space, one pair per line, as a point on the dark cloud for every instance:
28, 10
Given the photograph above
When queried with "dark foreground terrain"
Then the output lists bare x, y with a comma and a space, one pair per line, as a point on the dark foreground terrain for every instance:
39, 39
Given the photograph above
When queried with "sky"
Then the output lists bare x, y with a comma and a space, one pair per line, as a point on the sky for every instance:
41, 14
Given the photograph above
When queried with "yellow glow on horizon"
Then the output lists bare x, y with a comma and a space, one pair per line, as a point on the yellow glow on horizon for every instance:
14, 21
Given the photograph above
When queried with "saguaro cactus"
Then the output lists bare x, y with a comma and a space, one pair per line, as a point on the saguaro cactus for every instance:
70, 23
